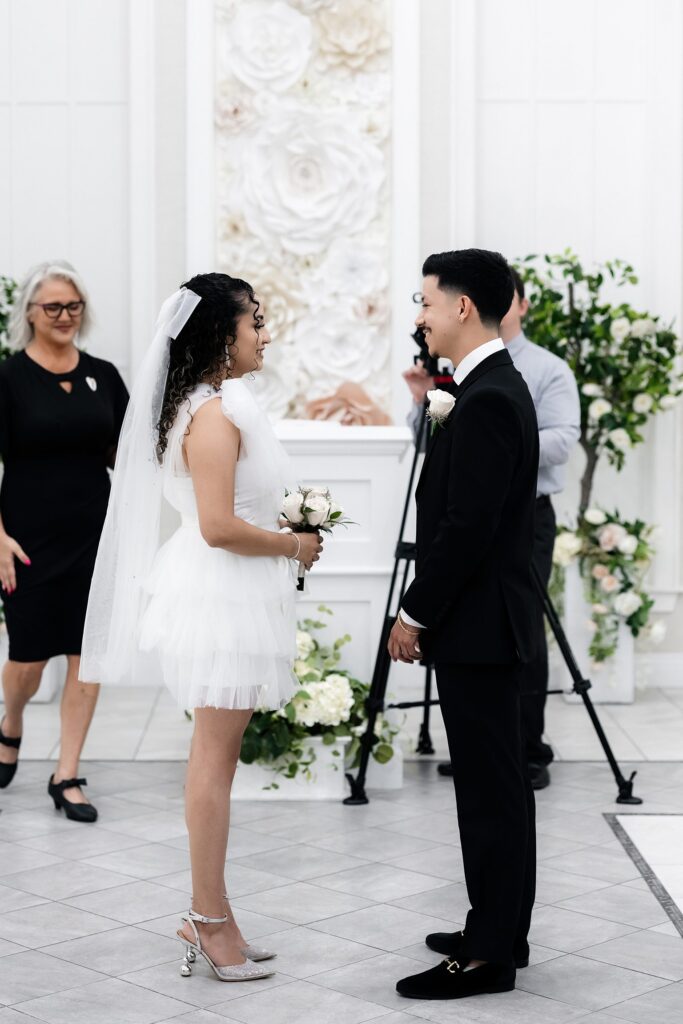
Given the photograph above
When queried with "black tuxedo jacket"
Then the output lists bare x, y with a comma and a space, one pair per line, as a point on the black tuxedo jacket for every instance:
476, 499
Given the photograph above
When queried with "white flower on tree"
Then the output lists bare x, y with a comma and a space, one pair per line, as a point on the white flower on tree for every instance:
643, 327
620, 328
567, 546
643, 403
627, 603
609, 583
628, 545
305, 178
668, 402
592, 390
595, 516
267, 45
599, 408
619, 438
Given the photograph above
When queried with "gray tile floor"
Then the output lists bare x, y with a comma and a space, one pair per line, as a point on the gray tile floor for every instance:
346, 895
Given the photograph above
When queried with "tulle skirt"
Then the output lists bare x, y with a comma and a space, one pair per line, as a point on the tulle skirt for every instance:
223, 626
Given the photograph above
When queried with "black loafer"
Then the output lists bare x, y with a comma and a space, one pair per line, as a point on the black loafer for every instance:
449, 980
76, 812
450, 944
539, 775
8, 771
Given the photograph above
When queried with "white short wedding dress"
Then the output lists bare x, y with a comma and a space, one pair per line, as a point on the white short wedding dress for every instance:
222, 625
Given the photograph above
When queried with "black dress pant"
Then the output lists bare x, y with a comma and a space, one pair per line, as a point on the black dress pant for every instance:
496, 808
534, 680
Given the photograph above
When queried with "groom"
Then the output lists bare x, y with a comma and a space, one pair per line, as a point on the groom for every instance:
470, 610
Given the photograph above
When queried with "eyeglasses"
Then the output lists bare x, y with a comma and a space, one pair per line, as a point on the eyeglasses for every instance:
54, 310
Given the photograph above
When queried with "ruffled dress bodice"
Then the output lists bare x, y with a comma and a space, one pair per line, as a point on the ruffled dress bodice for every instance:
223, 624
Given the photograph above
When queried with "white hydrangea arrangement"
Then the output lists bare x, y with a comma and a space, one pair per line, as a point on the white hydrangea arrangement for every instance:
330, 704
614, 556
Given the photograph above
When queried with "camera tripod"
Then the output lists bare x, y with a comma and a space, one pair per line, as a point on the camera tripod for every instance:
404, 555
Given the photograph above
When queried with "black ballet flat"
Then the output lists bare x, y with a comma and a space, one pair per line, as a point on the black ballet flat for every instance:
8, 771
76, 812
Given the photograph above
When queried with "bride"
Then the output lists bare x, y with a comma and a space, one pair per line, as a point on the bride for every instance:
213, 608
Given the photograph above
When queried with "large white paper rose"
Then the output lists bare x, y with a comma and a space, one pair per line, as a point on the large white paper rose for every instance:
266, 45
627, 603
307, 178
353, 32
335, 348
354, 266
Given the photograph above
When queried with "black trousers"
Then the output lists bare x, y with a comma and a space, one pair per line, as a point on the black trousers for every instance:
496, 808
534, 680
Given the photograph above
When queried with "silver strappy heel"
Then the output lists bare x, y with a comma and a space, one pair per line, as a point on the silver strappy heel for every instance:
255, 953
248, 971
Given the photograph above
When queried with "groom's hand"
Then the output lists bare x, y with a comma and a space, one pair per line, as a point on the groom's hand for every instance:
403, 646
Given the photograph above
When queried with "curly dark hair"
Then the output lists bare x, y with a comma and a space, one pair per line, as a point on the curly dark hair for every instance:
200, 352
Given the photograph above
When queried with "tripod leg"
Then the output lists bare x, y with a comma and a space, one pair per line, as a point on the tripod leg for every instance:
374, 704
424, 743
581, 686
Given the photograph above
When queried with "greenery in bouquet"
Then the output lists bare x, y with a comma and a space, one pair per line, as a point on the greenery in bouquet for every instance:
613, 556
8, 288
330, 704
624, 360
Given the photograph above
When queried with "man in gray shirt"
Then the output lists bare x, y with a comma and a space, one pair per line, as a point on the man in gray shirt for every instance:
556, 399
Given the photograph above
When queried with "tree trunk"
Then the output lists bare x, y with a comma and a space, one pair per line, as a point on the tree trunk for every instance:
588, 474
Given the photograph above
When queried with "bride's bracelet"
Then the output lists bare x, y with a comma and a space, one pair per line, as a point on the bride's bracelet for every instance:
297, 538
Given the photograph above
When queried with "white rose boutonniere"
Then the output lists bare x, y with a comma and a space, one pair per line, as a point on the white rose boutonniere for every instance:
440, 407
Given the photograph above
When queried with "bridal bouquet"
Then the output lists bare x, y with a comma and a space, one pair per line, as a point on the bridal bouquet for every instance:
309, 510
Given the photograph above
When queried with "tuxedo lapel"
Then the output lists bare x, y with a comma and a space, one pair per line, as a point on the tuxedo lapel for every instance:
491, 362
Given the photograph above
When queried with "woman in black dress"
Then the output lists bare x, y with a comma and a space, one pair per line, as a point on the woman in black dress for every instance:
60, 415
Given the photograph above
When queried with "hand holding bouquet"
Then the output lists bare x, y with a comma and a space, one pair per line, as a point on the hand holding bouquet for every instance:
310, 510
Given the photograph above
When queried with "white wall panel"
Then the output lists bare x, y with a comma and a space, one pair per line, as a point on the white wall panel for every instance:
98, 72
5, 179
99, 196
563, 49
563, 176
5, 63
623, 34
41, 51
506, 177
621, 188
40, 185
505, 52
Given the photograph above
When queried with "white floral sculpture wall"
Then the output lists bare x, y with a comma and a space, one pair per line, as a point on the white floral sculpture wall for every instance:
303, 98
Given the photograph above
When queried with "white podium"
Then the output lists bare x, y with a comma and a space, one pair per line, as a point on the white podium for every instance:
366, 469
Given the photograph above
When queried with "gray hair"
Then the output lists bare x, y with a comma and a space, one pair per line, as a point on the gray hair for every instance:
19, 328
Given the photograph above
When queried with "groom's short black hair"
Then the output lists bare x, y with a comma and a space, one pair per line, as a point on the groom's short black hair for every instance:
482, 275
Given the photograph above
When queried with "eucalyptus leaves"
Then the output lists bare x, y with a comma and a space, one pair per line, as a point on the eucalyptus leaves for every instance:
7, 289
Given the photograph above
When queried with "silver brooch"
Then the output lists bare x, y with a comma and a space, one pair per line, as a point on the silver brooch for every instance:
92, 383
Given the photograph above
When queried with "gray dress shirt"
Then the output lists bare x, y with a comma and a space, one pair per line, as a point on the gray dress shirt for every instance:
556, 398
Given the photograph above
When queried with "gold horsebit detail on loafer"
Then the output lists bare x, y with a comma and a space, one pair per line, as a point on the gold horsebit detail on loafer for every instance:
451, 965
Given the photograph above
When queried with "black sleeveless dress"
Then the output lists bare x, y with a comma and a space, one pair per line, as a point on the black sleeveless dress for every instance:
55, 447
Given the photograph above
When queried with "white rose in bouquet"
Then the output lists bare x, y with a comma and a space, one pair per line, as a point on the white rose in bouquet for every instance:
611, 536
609, 583
292, 507
592, 390
621, 328
305, 644
595, 516
599, 408
567, 546
643, 403
620, 438
317, 509
627, 603
628, 544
